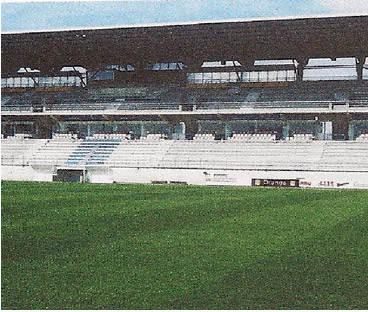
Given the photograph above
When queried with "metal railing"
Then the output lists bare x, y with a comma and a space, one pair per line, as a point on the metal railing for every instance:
185, 106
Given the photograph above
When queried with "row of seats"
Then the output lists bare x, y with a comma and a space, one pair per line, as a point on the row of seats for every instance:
154, 136
263, 155
92, 152
123, 98
128, 98
19, 151
362, 137
19, 136
54, 152
253, 137
160, 136
204, 136
109, 136
73, 152
208, 154
65, 136
301, 137
295, 92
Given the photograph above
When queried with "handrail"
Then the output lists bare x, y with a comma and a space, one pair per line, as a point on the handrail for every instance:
179, 106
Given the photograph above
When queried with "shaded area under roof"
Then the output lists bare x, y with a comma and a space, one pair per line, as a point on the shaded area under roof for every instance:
191, 44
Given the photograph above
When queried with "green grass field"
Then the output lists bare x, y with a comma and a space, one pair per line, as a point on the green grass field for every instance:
85, 246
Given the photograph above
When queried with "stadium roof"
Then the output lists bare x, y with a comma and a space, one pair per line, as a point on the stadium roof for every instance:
245, 41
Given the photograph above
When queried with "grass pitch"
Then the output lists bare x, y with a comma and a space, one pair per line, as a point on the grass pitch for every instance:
85, 246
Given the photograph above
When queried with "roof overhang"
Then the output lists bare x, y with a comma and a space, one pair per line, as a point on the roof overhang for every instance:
245, 41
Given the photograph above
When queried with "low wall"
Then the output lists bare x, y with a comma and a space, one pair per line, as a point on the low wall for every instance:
346, 180
43, 173
99, 174
343, 180
17, 173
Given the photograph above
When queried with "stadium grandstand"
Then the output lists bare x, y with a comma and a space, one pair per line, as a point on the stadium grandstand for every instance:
279, 102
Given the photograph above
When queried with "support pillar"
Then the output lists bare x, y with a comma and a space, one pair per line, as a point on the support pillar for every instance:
62, 127
88, 129
351, 132
302, 63
171, 130
143, 131
43, 126
182, 126
340, 127
256, 127
191, 127
227, 130
172, 121
35, 130
179, 131
359, 61
286, 131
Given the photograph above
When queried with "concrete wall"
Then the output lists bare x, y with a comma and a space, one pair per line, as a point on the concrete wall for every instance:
17, 173
99, 174
345, 180
240, 177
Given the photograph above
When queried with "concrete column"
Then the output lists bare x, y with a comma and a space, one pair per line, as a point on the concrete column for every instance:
114, 127
351, 132
326, 130
256, 127
179, 130
285, 131
227, 130
302, 63
44, 127
88, 129
35, 130
191, 126
62, 127
359, 66
143, 131
340, 127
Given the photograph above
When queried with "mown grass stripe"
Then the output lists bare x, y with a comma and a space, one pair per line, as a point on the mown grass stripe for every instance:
73, 246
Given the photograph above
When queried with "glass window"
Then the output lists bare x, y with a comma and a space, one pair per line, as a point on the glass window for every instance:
172, 65
191, 77
281, 75
49, 81
245, 76
290, 75
273, 76
41, 81
198, 78
207, 77
31, 83
24, 82
216, 77
222, 77
17, 81
263, 76
253, 76
63, 81
233, 77
156, 66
